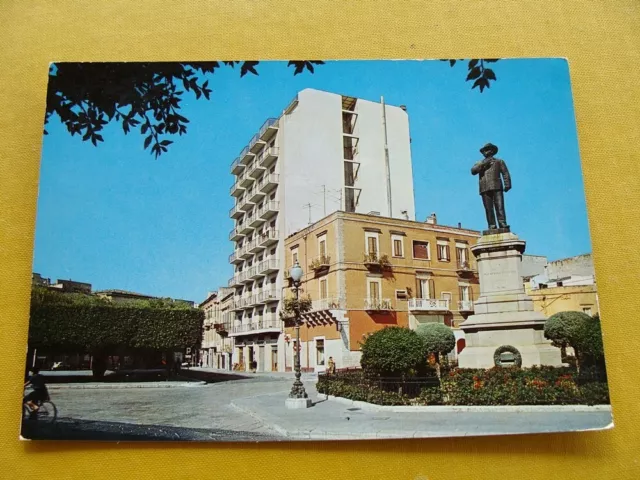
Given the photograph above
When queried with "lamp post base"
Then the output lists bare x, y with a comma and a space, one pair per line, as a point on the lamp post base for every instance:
297, 403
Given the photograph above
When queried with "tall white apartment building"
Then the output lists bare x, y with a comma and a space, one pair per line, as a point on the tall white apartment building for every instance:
326, 152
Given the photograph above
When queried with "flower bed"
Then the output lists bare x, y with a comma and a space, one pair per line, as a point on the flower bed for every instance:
496, 386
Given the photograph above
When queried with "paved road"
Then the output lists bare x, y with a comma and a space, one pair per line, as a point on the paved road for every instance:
253, 410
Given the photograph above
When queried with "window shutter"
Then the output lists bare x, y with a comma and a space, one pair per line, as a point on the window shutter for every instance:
448, 252
432, 288
458, 254
460, 293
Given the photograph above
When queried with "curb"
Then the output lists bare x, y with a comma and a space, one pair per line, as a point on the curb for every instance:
119, 386
281, 430
467, 408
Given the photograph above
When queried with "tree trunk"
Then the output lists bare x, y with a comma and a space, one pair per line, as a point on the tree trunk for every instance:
99, 364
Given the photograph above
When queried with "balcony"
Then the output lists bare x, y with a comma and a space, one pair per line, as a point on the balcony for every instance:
269, 156
376, 261
248, 302
235, 281
235, 234
255, 246
333, 303
320, 264
245, 252
236, 190
464, 269
245, 180
465, 306
268, 266
255, 272
255, 220
269, 209
222, 328
237, 167
248, 275
237, 304
377, 304
268, 295
258, 325
257, 169
245, 156
254, 195
246, 205
235, 257
268, 238
428, 305
269, 182
236, 212
268, 129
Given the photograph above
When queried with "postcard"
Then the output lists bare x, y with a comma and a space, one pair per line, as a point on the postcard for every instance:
303, 250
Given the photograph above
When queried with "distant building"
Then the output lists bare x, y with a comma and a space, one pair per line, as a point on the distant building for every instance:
565, 285
122, 295
216, 348
38, 280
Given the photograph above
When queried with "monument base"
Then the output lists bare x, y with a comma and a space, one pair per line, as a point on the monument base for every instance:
295, 403
504, 315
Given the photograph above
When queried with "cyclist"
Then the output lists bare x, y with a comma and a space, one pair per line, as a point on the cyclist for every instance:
40, 392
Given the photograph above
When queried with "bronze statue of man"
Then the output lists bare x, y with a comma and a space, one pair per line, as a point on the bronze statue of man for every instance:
492, 172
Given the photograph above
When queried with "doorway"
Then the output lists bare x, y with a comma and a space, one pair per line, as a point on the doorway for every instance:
261, 358
274, 359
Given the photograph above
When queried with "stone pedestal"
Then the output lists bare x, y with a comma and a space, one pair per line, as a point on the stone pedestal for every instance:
503, 314
295, 403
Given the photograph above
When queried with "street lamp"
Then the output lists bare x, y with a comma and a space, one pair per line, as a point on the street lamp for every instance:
298, 397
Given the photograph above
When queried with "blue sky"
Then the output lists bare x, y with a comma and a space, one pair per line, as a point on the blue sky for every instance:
116, 217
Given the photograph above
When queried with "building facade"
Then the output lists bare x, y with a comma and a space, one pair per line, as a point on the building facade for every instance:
367, 272
565, 285
216, 347
325, 153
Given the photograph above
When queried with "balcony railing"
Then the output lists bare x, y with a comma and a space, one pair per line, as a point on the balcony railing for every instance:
377, 304
333, 303
428, 305
267, 266
374, 259
269, 209
465, 306
236, 166
236, 190
320, 263
268, 295
464, 268
268, 156
269, 237
235, 234
268, 182
265, 323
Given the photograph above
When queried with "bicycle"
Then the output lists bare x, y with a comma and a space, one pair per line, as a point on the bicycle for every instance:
47, 412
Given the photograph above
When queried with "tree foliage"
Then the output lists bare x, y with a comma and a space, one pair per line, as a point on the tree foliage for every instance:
140, 96
478, 71
438, 338
147, 97
577, 330
77, 322
292, 307
393, 351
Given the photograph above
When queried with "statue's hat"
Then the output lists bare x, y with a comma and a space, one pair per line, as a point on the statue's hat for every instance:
489, 148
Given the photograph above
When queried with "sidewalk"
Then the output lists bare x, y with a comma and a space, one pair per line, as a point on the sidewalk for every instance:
120, 385
330, 419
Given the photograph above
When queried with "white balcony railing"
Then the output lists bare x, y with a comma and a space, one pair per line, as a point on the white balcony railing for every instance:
465, 306
428, 304
333, 303
377, 303
265, 323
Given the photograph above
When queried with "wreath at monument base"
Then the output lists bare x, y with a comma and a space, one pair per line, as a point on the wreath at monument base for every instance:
517, 357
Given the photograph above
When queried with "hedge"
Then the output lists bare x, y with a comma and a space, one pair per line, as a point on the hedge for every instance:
496, 386
94, 326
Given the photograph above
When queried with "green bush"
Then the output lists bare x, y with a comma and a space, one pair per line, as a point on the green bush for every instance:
578, 330
429, 396
100, 327
438, 338
393, 352
357, 388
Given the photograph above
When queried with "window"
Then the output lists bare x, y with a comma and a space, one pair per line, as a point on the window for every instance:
586, 310
319, 351
398, 247
294, 256
425, 288
443, 251
323, 288
462, 255
372, 243
465, 293
421, 250
374, 290
322, 245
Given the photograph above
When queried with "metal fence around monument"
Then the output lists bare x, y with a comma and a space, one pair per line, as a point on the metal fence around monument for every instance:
410, 386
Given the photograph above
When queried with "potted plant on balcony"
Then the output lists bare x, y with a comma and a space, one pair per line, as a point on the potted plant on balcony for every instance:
290, 305
320, 263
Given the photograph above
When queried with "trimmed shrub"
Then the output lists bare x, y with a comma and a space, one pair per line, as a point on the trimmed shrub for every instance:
393, 352
438, 338
577, 330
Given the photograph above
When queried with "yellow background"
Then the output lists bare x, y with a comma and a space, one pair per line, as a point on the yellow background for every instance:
601, 39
